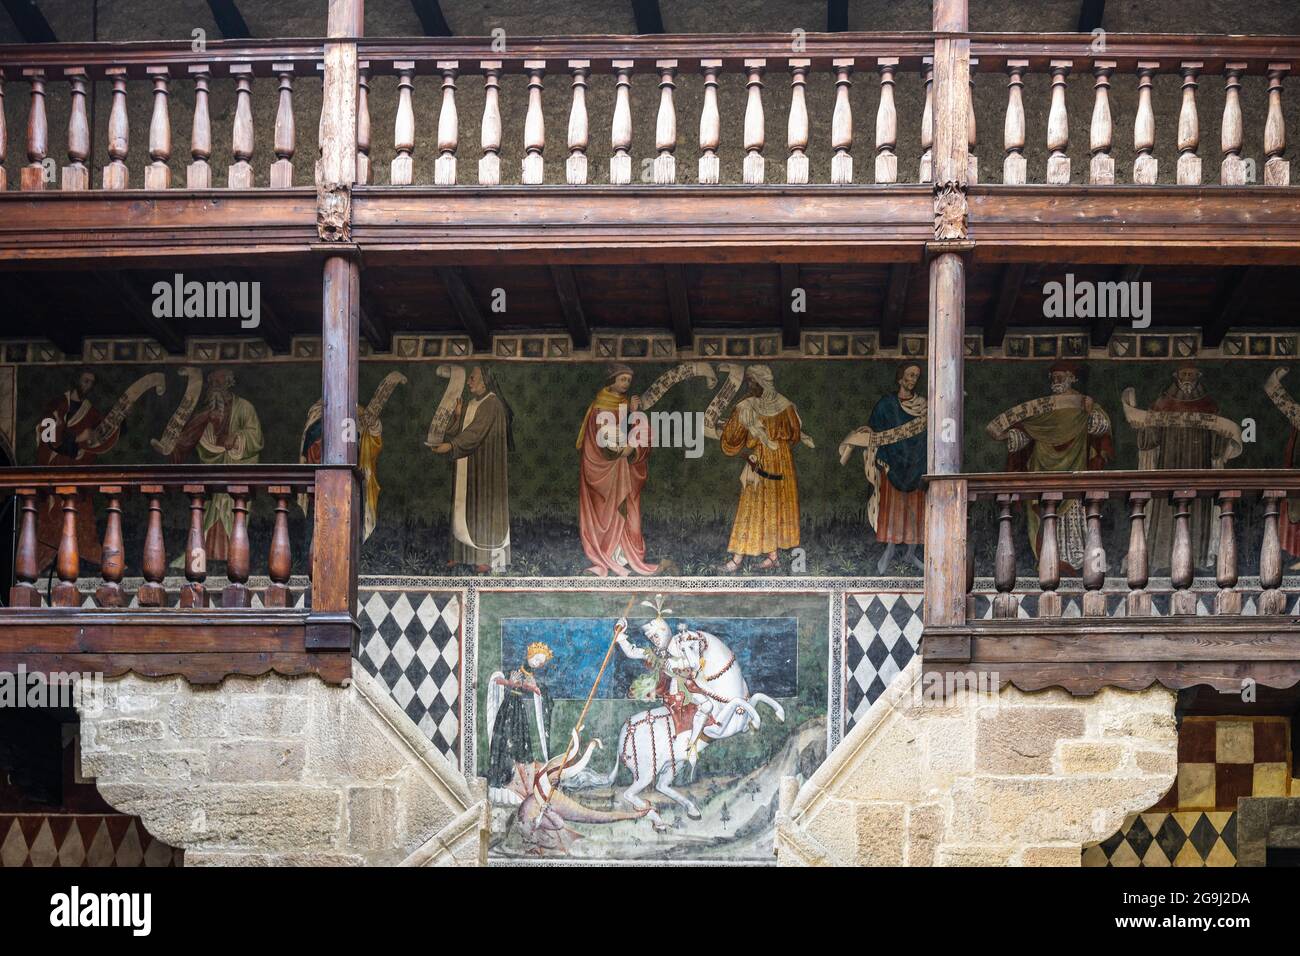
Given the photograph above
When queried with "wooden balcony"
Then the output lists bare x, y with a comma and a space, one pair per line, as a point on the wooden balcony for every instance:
202, 633
1116, 624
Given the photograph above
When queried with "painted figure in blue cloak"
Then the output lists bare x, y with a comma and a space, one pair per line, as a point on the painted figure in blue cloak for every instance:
898, 507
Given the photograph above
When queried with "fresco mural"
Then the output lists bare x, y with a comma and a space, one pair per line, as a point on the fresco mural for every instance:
618, 725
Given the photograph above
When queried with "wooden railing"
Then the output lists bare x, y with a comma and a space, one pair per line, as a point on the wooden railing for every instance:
77, 491
163, 65
1134, 493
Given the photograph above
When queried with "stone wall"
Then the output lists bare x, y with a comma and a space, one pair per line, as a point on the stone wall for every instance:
1012, 779
269, 770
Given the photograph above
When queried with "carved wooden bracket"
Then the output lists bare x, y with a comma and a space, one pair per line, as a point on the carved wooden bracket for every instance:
334, 212
950, 211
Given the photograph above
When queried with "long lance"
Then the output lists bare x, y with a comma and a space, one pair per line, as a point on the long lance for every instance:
577, 730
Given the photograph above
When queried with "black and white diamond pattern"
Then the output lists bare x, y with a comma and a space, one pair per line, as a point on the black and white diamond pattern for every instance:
411, 642
881, 634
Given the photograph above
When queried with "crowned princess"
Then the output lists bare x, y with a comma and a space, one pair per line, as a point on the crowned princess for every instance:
519, 713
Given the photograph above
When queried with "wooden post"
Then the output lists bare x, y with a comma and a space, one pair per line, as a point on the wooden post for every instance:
113, 559
153, 565
26, 571
336, 167
76, 176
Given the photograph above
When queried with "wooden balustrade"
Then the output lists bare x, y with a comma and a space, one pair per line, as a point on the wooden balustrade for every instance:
76, 491
1191, 505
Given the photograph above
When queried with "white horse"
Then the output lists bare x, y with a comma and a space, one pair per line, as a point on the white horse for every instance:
651, 748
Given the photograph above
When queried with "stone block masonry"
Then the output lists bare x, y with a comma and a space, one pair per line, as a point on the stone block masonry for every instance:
276, 771
1012, 779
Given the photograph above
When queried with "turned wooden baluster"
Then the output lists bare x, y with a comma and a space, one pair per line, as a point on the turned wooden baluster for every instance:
489, 167
1049, 558
68, 562
575, 167
444, 167
1189, 128
1277, 171
236, 593
1181, 561
280, 563
927, 122
1271, 599
1228, 600
886, 123
710, 124
115, 174
76, 176
665, 164
4, 136
1233, 170
194, 593
1145, 165
970, 575
32, 177
112, 564
796, 167
1138, 601
534, 125
158, 175
842, 122
1058, 126
26, 571
1102, 132
240, 174
153, 565
363, 123
754, 130
198, 175
1094, 557
402, 170
620, 132
285, 141
972, 161
1014, 166
1005, 604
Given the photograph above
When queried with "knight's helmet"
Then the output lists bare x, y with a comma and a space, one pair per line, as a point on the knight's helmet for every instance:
657, 629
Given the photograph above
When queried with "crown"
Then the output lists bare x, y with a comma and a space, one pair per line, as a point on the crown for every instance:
537, 647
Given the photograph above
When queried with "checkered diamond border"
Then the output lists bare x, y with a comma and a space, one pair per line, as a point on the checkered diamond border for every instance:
882, 633
74, 840
411, 642
1178, 839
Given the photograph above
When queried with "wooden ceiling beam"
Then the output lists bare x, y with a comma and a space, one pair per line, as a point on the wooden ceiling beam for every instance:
998, 316
31, 23
467, 310
790, 321
1104, 327
230, 21
432, 21
271, 326
566, 289
374, 324
891, 312
648, 17
137, 304
1232, 304
679, 304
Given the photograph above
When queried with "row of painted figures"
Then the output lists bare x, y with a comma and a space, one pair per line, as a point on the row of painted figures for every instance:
472, 428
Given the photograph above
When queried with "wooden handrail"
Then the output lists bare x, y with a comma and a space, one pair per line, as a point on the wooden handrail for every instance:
136, 56
166, 475
1203, 482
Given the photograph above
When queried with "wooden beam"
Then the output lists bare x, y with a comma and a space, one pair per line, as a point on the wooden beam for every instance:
229, 20
891, 313
679, 304
136, 303
1232, 303
789, 317
566, 287
374, 325
467, 309
1103, 328
999, 315
1091, 13
648, 17
432, 22
837, 16
272, 327
31, 23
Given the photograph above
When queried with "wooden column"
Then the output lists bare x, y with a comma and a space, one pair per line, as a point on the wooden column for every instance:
946, 498
158, 175
76, 176
336, 169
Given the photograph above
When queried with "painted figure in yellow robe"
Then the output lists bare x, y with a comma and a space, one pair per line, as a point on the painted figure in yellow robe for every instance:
763, 428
